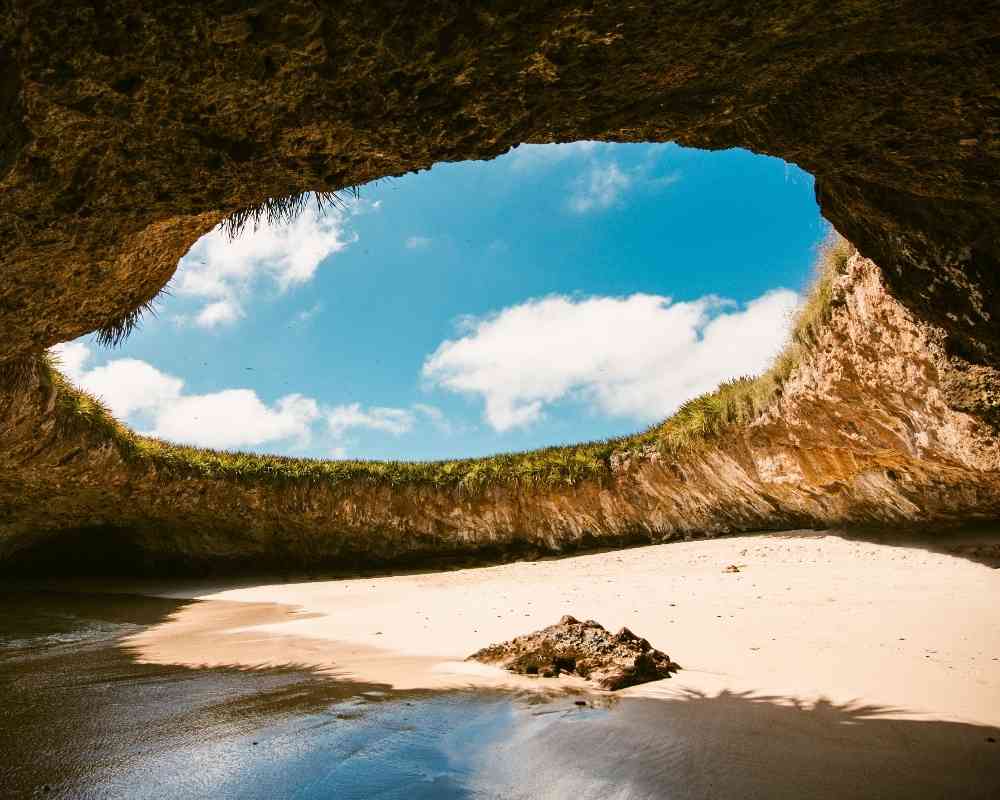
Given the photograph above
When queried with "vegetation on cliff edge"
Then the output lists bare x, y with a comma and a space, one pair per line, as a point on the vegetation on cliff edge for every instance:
697, 421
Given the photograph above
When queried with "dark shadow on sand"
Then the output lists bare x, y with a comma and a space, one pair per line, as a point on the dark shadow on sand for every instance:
749, 746
979, 542
113, 553
79, 716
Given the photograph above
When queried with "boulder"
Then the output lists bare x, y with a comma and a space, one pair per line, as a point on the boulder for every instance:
587, 649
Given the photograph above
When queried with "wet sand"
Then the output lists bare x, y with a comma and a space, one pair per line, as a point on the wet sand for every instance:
822, 668
807, 618
81, 720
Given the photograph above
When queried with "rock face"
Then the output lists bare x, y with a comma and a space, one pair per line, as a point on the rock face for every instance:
862, 434
129, 129
612, 661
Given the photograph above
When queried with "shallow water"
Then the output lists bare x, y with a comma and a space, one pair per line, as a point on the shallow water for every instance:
80, 719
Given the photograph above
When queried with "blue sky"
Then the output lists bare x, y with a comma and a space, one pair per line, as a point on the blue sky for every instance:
555, 294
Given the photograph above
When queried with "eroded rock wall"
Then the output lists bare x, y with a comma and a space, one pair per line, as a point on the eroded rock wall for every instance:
862, 434
130, 128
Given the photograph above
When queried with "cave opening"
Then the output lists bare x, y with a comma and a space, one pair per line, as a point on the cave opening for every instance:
559, 293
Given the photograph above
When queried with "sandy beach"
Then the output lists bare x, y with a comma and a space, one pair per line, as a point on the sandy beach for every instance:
808, 618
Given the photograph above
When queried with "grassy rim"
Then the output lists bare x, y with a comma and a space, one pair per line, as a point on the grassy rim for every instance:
697, 421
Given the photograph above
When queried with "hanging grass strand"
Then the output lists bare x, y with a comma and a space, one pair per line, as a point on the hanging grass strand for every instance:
285, 210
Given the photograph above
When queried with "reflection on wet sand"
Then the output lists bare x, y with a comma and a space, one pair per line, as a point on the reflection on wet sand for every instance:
739, 746
815, 666
77, 711
83, 718
667, 742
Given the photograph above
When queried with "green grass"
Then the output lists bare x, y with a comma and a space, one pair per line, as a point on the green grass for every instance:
696, 423
740, 401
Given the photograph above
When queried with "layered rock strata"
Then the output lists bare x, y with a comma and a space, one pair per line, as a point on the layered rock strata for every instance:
129, 129
862, 433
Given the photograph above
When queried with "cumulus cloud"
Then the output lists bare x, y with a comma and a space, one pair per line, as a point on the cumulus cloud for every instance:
125, 385
221, 312
601, 187
396, 421
71, 357
128, 385
156, 403
418, 242
235, 418
222, 272
639, 356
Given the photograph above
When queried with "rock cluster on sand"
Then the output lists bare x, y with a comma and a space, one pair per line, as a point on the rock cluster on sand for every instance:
612, 661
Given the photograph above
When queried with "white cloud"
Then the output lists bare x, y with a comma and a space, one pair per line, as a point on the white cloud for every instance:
128, 385
602, 182
220, 312
435, 416
155, 403
663, 181
602, 187
433, 413
417, 242
396, 421
222, 272
125, 385
71, 357
639, 356
139, 393
235, 418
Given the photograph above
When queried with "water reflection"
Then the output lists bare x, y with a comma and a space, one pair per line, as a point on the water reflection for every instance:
81, 717
741, 746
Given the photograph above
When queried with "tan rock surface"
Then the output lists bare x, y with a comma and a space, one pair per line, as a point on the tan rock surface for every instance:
862, 434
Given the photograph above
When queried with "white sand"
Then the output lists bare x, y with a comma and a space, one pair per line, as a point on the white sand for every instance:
807, 617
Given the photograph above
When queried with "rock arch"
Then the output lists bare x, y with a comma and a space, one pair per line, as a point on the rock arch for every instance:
129, 129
